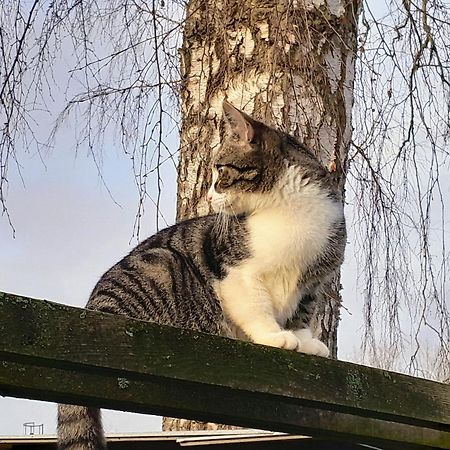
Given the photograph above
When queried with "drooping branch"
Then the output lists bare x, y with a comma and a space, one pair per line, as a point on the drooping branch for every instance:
400, 151
120, 76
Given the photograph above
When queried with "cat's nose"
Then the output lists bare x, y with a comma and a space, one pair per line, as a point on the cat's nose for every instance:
209, 197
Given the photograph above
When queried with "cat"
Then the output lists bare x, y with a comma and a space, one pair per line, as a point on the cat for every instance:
252, 271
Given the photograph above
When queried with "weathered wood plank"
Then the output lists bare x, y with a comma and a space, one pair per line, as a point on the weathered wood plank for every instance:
154, 395
59, 353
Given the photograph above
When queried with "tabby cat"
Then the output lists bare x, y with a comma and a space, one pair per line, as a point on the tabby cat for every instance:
251, 271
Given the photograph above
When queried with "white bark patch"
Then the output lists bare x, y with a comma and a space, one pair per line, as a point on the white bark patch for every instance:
191, 179
310, 4
336, 7
290, 37
242, 38
199, 73
263, 30
215, 105
244, 88
348, 99
215, 141
192, 187
215, 64
304, 107
327, 138
333, 62
248, 44
306, 113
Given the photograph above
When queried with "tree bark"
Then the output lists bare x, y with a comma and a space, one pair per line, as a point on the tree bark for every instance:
289, 64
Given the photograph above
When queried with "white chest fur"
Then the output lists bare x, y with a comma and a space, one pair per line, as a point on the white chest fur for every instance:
287, 233
286, 239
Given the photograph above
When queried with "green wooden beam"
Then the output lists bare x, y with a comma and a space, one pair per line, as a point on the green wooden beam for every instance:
58, 353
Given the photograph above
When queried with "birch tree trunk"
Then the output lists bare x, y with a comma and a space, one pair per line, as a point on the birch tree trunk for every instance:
287, 63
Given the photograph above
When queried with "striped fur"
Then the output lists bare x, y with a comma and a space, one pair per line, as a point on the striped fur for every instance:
251, 271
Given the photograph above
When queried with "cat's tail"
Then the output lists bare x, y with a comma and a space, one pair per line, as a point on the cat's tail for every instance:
80, 428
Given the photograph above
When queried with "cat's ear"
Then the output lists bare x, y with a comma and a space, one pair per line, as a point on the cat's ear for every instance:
239, 126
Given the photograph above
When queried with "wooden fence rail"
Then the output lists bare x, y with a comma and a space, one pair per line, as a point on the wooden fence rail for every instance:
59, 353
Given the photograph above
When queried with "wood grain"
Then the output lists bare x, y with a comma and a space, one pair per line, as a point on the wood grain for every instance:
59, 353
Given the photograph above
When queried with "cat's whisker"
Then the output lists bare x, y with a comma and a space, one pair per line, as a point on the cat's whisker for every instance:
221, 222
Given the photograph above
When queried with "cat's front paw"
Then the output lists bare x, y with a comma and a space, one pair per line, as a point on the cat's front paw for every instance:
315, 347
311, 345
282, 339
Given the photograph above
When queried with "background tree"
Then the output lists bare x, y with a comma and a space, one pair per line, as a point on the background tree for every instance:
289, 63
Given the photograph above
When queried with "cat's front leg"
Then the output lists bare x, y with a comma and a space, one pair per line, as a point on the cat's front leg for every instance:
248, 304
300, 325
310, 344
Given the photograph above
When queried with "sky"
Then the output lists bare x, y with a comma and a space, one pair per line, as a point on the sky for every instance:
68, 232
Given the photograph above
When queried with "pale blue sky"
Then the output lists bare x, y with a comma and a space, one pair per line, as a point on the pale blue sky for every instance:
68, 232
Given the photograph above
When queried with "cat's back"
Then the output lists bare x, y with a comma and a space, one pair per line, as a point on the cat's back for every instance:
168, 277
